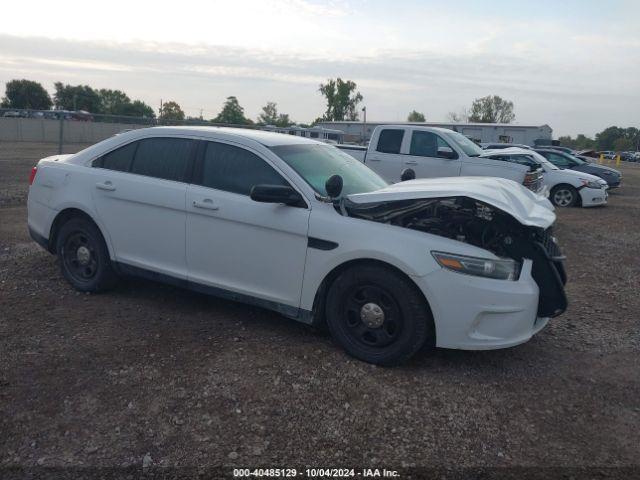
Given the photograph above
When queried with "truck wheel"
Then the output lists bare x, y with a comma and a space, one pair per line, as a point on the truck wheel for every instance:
378, 315
564, 196
83, 255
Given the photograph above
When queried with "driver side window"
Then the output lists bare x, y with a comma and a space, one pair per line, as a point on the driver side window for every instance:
234, 169
426, 144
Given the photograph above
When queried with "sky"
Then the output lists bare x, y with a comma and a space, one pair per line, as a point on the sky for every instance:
572, 64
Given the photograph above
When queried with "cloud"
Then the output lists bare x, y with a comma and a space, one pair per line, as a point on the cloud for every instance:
562, 93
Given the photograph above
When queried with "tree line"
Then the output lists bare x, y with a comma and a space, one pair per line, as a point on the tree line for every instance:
27, 94
612, 138
342, 103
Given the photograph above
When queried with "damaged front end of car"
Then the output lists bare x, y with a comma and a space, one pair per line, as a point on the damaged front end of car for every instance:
476, 222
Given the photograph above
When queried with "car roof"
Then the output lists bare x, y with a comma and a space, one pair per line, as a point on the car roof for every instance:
416, 127
268, 139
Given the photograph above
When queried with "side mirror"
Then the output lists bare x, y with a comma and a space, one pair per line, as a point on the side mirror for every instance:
333, 186
276, 194
448, 153
407, 174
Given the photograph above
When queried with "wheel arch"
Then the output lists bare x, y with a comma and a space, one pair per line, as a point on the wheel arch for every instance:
65, 215
319, 301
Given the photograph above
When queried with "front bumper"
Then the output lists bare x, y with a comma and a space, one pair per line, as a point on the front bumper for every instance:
475, 313
592, 197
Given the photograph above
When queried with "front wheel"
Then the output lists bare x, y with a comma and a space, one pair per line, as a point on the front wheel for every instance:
83, 255
564, 196
378, 315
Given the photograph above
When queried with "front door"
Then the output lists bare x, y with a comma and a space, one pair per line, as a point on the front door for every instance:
428, 156
236, 244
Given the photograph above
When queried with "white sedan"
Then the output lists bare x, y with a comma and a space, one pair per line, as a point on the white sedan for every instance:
300, 227
567, 188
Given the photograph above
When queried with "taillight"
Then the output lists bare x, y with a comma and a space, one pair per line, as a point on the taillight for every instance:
32, 175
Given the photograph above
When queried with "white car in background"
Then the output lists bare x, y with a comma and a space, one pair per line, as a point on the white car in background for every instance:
299, 227
567, 188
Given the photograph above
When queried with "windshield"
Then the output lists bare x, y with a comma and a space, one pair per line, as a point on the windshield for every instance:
316, 163
467, 146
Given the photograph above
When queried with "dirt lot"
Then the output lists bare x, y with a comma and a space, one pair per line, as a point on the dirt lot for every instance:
187, 380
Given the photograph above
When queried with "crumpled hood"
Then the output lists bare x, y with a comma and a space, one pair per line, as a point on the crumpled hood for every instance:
512, 198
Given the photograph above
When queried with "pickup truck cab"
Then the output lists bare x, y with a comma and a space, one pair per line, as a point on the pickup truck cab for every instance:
435, 152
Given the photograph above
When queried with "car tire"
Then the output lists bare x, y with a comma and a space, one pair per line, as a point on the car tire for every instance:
84, 257
378, 315
564, 196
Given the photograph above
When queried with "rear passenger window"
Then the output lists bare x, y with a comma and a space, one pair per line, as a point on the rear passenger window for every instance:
119, 159
165, 158
390, 141
236, 170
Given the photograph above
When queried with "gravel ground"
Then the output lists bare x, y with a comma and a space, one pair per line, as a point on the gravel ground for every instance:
157, 375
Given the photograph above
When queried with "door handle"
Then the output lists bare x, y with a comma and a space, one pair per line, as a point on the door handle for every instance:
108, 186
207, 204
411, 162
372, 159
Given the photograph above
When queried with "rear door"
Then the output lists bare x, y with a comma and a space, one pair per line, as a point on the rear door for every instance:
139, 195
384, 157
426, 156
236, 244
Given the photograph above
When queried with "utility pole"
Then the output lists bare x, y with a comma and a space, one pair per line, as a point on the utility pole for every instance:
364, 124
160, 114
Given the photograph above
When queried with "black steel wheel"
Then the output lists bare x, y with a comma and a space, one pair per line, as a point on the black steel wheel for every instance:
84, 258
378, 315
373, 316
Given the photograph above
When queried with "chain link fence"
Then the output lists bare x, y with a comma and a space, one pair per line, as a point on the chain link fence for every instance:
77, 128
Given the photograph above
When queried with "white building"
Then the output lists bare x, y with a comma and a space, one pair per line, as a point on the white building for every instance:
532, 135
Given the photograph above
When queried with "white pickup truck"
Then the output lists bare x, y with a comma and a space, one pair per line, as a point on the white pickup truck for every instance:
435, 152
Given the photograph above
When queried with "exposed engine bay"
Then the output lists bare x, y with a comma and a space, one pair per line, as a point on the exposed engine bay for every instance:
471, 221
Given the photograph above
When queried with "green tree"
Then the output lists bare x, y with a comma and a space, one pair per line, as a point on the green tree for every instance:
26, 94
622, 144
138, 108
491, 109
232, 113
77, 97
581, 142
283, 120
415, 116
269, 115
606, 138
171, 112
342, 99
113, 102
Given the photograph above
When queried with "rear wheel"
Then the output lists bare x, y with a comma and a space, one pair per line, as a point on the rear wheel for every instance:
564, 196
378, 315
83, 255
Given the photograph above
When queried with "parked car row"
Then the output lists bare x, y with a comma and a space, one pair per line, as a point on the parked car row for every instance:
436, 152
303, 228
79, 115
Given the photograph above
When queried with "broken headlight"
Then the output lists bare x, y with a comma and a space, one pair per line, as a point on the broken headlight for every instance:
500, 269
